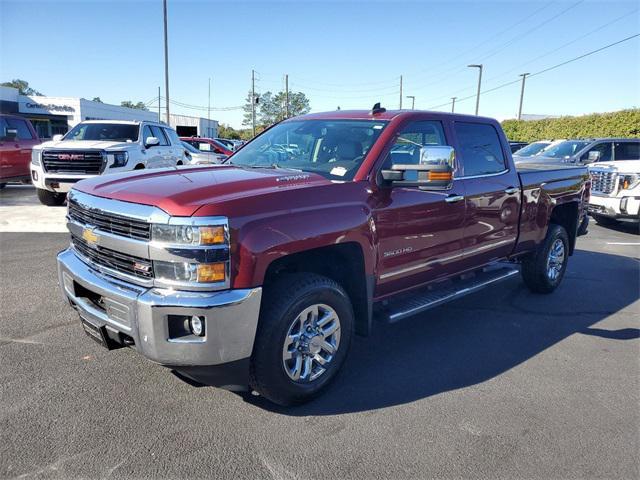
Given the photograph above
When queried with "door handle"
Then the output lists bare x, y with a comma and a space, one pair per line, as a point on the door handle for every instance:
454, 198
511, 190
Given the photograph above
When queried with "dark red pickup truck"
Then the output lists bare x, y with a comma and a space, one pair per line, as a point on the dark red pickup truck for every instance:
257, 273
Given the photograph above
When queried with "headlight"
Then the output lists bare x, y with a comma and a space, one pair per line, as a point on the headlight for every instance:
188, 234
35, 156
190, 272
629, 181
120, 159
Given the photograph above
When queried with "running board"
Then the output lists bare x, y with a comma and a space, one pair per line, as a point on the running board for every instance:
412, 304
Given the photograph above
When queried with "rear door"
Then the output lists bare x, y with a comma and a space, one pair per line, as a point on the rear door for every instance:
492, 193
177, 149
419, 232
626, 150
164, 148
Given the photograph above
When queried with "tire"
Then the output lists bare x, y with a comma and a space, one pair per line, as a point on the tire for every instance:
139, 167
604, 221
281, 314
537, 271
51, 199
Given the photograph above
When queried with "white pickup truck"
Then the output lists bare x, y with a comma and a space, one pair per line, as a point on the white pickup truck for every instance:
99, 147
615, 191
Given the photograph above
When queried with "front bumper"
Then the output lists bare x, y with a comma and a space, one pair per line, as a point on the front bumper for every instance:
621, 207
143, 315
54, 182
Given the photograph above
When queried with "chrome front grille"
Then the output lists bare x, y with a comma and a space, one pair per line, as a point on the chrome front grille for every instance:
79, 162
603, 182
120, 262
110, 222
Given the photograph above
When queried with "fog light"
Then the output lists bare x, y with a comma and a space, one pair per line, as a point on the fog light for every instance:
34, 175
197, 326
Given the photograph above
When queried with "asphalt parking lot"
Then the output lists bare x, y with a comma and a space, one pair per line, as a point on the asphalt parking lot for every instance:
503, 384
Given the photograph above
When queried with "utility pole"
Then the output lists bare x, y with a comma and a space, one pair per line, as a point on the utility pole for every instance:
479, 67
400, 92
524, 77
253, 101
159, 106
166, 60
209, 111
453, 104
286, 96
413, 101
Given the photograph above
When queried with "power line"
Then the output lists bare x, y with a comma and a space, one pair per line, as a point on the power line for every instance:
592, 52
528, 62
501, 47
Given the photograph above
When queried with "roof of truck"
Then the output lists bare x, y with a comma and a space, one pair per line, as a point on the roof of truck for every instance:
386, 115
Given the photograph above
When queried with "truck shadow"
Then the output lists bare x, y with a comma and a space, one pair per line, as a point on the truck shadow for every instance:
477, 338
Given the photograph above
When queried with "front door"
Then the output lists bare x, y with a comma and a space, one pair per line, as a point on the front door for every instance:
492, 192
419, 232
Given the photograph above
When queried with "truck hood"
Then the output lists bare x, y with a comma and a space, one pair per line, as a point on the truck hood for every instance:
621, 166
182, 191
84, 145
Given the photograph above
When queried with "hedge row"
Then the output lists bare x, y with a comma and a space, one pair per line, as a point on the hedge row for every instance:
625, 123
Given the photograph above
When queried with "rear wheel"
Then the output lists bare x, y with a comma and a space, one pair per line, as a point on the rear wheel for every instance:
303, 337
543, 270
51, 199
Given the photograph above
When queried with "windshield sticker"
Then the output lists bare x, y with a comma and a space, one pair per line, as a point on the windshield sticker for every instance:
338, 171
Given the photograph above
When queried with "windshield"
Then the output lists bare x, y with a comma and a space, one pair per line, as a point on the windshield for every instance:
532, 149
565, 149
334, 149
190, 147
117, 132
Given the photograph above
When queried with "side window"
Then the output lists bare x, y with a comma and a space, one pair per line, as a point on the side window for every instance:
406, 148
21, 126
218, 150
146, 133
479, 148
603, 148
172, 135
158, 132
627, 150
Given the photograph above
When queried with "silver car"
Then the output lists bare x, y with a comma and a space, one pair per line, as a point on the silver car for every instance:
589, 151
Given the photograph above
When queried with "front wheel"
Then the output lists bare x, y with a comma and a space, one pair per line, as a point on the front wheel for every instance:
51, 199
543, 270
304, 334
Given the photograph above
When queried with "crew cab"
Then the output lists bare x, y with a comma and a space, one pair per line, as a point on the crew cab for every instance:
100, 147
257, 273
616, 190
17, 138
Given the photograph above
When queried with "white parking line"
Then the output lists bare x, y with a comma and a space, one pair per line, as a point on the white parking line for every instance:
623, 243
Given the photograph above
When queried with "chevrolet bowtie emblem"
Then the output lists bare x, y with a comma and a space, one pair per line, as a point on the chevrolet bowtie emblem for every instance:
89, 236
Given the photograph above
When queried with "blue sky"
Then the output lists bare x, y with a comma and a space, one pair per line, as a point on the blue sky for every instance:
347, 54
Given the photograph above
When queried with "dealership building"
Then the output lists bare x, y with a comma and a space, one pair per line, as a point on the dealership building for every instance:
57, 115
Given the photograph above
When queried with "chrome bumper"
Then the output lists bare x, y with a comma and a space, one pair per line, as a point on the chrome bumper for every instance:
144, 314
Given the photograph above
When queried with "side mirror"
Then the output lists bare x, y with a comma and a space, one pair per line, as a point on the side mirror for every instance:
57, 138
11, 134
435, 169
152, 142
594, 156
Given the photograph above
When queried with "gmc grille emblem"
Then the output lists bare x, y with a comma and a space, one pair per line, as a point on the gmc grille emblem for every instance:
70, 156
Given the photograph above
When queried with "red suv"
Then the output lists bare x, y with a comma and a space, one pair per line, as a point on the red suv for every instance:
17, 138
207, 145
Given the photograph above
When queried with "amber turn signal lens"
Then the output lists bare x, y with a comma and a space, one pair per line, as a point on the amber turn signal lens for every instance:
211, 272
212, 235
440, 175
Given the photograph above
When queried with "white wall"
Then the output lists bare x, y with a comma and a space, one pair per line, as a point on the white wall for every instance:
103, 111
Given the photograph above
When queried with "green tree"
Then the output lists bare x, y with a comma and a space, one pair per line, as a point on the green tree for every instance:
22, 86
130, 104
97, 100
272, 108
226, 131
